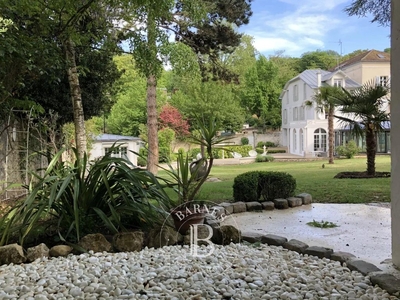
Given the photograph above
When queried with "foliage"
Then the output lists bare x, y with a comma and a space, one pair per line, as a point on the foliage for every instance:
210, 99
266, 144
244, 141
245, 187
108, 195
322, 224
170, 117
348, 150
365, 112
272, 185
165, 138
319, 59
270, 151
260, 95
190, 176
380, 9
264, 158
129, 110
252, 185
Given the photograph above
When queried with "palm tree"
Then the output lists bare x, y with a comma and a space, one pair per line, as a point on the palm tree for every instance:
366, 113
325, 101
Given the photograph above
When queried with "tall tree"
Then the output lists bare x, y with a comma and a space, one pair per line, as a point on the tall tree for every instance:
380, 9
325, 100
205, 26
58, 29
365, 113
319, 59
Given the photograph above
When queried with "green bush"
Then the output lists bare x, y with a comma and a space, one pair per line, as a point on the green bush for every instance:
264, 158
107, 196
270, 151
349, 150
251, 186
266, 144
244, 140
245, 187
273, 185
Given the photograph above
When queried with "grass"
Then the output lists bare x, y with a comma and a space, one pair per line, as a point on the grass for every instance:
322, 224
311, 178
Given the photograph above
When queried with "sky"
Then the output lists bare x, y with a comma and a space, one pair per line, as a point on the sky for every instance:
299, 26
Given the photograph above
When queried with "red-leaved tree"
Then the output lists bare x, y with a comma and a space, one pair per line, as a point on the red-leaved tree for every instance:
170, 117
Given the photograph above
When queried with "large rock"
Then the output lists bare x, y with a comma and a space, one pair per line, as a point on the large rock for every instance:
12, 253
128, 241
305, 198
39, 251
294, 201
204, 235
342, 256
295, 245
268, 205
320, 252
273, 240
388, 282
239, 207
60, 250
362, 266
251, 237
164, 236
253, 206
95, 242
281, 203
228, 207
226, 234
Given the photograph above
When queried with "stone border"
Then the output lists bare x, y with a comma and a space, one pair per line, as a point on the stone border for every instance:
384, 280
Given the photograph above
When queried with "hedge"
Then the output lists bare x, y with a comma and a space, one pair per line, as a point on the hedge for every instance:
253, 185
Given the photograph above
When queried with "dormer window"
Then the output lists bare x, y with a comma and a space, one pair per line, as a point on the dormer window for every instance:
338, 82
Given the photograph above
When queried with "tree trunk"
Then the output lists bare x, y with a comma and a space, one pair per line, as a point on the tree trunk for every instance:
76, 97
152, 126
371, 150
331, 133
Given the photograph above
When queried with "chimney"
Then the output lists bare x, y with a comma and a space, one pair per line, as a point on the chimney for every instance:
318, 79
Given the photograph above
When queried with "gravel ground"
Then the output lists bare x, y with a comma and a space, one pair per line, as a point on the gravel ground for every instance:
236, 271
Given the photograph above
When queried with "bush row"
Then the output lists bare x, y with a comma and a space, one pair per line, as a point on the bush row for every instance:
253, 185
270, 151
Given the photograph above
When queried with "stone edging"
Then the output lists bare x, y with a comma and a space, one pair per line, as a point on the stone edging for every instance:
384, 280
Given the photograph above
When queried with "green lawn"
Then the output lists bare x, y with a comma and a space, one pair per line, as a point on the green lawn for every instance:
311, 178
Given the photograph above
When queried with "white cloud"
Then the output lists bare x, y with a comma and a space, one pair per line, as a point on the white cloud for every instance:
296, 30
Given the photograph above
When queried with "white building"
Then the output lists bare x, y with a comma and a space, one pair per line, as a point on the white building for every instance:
304, 128
104, 142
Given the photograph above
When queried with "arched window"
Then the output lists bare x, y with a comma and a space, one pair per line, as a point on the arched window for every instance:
294, 140
301, 140
320, 140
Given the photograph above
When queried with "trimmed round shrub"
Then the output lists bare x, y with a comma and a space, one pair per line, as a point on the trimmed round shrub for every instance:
244, 140
273, 185
253, 185
245, 187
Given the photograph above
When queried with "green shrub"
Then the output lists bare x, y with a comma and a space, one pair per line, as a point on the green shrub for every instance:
245, 187
165, 138
273, 185
264, 158
251, 186
266, 144
270, 151
142, 157
192, 153
276, 151
349, 150
108, 196
244, 140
